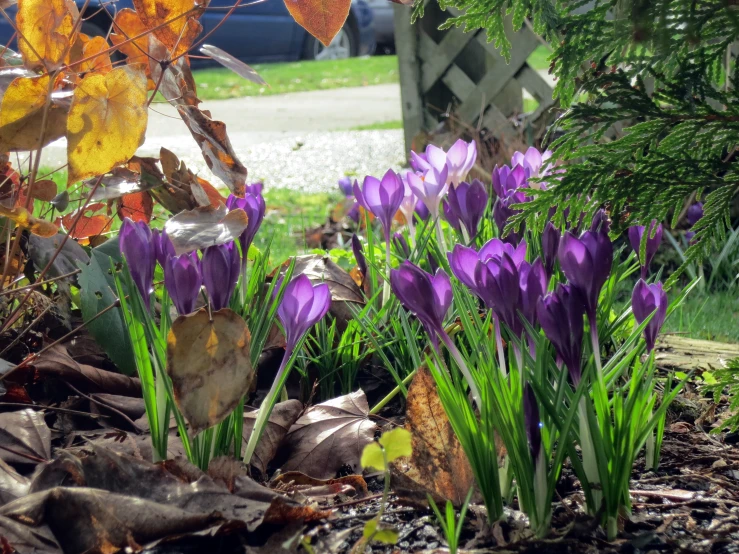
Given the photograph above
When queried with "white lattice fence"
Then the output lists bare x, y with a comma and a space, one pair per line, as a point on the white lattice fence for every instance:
458, 73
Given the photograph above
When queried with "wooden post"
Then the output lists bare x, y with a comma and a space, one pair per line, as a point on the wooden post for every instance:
406, 46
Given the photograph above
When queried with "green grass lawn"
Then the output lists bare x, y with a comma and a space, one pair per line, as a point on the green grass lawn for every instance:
538, 58
713, 316
221, 83
379, 126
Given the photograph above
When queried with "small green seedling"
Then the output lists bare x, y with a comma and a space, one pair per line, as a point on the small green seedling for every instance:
451, 526
378, 455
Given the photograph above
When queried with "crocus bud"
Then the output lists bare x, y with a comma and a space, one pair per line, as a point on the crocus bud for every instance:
163, 247
255, 189
533, 282
254, 207
183, 279
586, 262
425, 295
381, 197
302, 306
645, 300
500, 178
468, 202
561, 317
401, 244
346, 186
220, 267
502, 212
137, 246
451, 216
549, 246
653, 239
359, 254
422, 211
695, 213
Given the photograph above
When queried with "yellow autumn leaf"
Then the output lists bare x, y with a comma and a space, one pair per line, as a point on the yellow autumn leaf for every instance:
94, 56
128, 25
106, 122
22, 114
24, 219
45, 31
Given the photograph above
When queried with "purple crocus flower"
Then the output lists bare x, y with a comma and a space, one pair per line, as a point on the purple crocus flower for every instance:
586, 262
425, 295
183, 279
496, 247
695, 213
302, 306
381, 197
353, 212
532, 421
430, 188
254, 207
220, 267
497, 283
500, 178
653, 239
533, 282
359, 254
549, 246
458, 161
532, 161
644, 301
468, 202
561, 317
136, 244
163, 247
346, 186
255, 189
507, 180
464, 261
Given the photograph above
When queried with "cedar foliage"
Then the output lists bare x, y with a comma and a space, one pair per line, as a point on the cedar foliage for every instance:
651, 121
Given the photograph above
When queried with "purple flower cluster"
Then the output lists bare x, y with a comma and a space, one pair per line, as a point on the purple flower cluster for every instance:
218, 269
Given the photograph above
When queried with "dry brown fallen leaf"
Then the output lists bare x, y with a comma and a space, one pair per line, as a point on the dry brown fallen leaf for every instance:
24, 437
209, 364
282, 418
330, 436
295, 481
438, 464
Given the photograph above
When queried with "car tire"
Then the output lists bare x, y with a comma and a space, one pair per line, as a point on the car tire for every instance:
344, 45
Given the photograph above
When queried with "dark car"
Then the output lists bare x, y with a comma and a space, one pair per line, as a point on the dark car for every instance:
260, 32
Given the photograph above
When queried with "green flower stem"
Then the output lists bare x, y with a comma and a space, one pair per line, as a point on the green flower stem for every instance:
386, 284
589, 460
456, 354
499, 346
393, 393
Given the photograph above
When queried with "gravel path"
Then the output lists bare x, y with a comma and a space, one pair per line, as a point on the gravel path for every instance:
297, 141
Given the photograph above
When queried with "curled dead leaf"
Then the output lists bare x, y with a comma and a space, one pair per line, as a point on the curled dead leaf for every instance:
438, 464
173, 22
329, 436
209, 364
203, 227
234, 64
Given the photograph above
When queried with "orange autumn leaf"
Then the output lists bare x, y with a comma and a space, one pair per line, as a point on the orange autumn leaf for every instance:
215, 197
321, 18
137, 206
23, 218
180, 16
95, 56
128, 25
89, 224
107, 121
45, 30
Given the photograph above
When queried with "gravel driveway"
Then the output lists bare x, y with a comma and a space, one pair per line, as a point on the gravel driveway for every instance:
298, 141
